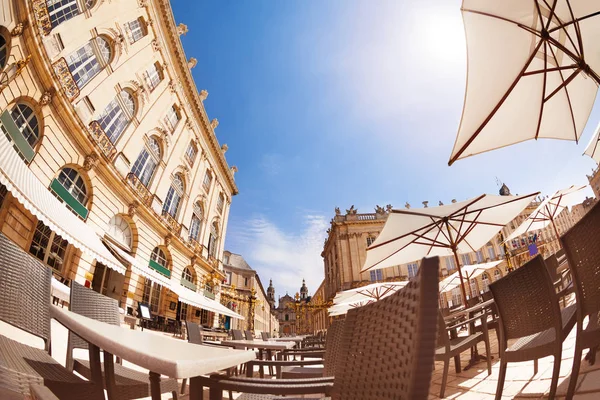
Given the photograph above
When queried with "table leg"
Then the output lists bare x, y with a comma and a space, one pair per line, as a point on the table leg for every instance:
109, 376
155, 386
195, 389
95, 367
453, 335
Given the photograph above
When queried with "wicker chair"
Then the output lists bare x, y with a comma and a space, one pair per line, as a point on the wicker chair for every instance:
265, 335
237, 334
386, 352
248, 335
531, 316
448, 347
129, 384
25, 303
583, 253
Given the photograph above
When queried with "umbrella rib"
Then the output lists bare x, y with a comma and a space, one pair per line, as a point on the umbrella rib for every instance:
574, 21
495, 110
560, 22
524, 27
539, 124
564, 84
568, 97
554, 69
429, 227
435, 240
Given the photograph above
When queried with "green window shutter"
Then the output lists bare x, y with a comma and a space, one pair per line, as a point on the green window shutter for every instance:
156, 266
188, 284
16, 136
69, 199
208, 294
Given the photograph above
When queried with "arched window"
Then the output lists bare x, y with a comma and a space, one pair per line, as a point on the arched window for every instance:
207, 181
196, 223
117, 115
485, 279
497, 275
220, 202
22, 128
174, 196
473, 288
187, 275
3, 51
87, 61
120, 231
70, 188
63, 10
146, 163
136, 29
159, 257
213, 240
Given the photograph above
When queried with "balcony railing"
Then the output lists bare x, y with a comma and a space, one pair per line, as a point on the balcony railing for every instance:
65, 78
40, 12
99, 136
140, 189
172, 224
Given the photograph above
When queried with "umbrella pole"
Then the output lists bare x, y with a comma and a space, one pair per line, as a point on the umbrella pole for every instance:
462, 282
556, 232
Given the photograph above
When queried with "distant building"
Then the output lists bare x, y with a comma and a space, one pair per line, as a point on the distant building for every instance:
291, 322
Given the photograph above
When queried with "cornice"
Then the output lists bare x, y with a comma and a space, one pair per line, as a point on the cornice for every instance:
188, 85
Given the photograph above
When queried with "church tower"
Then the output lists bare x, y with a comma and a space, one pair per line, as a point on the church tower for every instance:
303, 291
271, 294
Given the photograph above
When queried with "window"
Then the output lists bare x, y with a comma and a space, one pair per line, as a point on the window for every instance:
376, 275
220, 202
136, 29
212, 240
207, 181
287, 317
474, 288
501, 250
174, 196
245, 282
225, 257
146, 163
119, 230
412, 269
87, 61
370, 240
450, 264
206, 318
3, 193
491, 253
190, 153
497, 275
22, 128
466, 259
151, 295
228, 279
3, 51
183, 312
187, 275
479, 255
159, 263
153, 76
49, 247
456, 296
485, 280
63, 10
117, 115
196, 223
172, 118
70, 188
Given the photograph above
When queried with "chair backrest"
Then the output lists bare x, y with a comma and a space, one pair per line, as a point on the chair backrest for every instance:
526, 301
264, 335
249, 335
442, 333
552, 267
582, 247
193, 332
332, 346
388, 346
237, 334
91, 304
25, 287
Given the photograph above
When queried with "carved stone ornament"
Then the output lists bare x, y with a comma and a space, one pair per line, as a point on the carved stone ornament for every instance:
234, 169
337, 211
407, 206
189, 124
18, 29
388, 208
155, 45
132, 209
193, 260
224, 148
203, 95
90, 161
182, 29
173, 86
214, 123
351, 211
46, 97
192, 62
168, 239
379, 210
425, 204
142, 3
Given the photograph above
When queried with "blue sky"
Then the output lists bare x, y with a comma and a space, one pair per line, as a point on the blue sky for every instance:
340, 102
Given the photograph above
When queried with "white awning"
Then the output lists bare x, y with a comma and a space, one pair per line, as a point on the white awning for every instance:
140, 266
200, 301
35, 197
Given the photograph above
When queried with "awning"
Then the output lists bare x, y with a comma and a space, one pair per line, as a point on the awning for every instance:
200, 301
35, 197
139, 266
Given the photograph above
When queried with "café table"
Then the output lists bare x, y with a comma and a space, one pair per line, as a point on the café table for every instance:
261, 345
158, 354
60, 291
296, 339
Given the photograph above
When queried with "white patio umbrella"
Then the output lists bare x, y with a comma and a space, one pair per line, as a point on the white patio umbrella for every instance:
547, 212
593, 148
469, 272
448, 230
532, 72
361, 296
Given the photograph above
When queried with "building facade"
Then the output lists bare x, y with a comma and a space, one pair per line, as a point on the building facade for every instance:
244, 293
98, 99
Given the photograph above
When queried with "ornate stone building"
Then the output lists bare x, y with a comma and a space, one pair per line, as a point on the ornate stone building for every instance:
244, 293
289, 312
98, 99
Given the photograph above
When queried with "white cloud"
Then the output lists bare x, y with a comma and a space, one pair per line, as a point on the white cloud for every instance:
285, 257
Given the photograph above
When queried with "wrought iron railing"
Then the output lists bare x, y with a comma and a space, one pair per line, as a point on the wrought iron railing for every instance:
102, 140
65, 78
172, 224
42, 17
140, 189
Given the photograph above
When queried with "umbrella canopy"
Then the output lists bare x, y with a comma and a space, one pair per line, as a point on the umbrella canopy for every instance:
547, 211
469, 272
453, 229
374, 291
593, 148
532, 72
